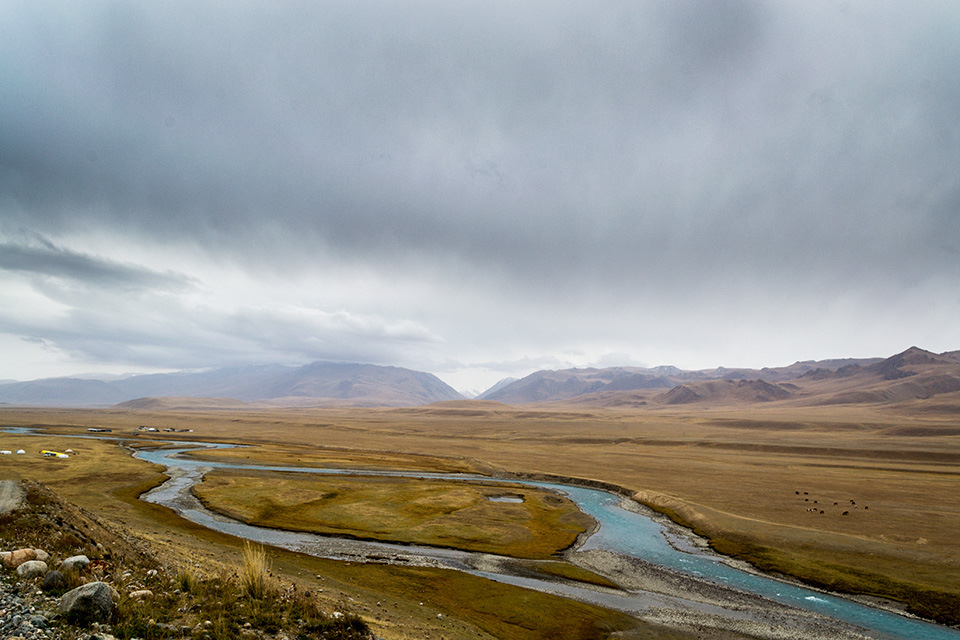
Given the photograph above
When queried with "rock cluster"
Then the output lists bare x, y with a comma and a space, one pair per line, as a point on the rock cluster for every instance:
23, 618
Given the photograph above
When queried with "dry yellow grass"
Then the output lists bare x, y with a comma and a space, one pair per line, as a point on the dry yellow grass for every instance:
95, 471
400, 603
410, 510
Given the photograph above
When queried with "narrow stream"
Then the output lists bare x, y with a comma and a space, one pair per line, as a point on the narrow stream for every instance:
620, 531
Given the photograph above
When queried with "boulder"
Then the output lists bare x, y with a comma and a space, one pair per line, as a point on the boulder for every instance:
53, 581
18, 557
32, 569
92, 602
42, 555
74, 563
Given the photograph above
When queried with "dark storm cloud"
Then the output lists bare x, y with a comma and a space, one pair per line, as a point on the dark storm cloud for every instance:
623, 140
44, 258
493, 136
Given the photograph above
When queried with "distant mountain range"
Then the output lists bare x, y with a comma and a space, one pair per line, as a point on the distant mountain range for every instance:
546, 386
912, 374
317, 384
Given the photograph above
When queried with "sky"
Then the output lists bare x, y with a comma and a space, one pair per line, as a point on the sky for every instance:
476, 189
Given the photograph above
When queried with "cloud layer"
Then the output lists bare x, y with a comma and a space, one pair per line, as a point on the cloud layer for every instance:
452, 186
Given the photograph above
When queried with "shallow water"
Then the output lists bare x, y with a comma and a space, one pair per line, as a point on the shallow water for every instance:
639, 536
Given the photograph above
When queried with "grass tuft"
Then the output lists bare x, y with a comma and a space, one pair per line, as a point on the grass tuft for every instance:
187, 579
254, 571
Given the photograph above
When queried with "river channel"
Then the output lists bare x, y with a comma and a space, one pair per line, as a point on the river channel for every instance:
738, 594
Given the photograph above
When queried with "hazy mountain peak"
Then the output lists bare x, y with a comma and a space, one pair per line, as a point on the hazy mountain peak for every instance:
496, 387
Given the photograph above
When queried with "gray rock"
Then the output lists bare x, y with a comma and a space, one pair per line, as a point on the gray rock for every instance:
32, 569
92, 602
42, 555
74, 563
53, 581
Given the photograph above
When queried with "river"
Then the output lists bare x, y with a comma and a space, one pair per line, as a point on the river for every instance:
621, 531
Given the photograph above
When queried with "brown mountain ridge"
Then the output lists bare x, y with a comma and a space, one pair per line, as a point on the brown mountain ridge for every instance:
910, 375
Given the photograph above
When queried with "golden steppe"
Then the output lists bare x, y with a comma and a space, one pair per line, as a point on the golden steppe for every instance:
766, 482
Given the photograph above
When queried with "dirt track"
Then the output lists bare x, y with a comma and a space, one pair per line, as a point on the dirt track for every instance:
11, 495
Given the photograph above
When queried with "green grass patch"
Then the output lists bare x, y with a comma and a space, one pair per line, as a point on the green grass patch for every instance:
411, 510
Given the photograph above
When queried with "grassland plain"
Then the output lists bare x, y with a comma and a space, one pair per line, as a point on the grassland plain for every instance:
748, 477
399, 603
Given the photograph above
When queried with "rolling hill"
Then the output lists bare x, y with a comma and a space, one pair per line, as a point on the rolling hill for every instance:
316, 384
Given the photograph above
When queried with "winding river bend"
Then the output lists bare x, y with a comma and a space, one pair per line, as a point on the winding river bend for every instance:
621, 531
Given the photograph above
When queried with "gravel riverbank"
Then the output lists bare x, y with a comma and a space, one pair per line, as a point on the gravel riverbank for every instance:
27, 618
743, 613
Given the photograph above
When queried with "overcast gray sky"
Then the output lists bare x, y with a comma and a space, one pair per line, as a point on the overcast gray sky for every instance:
476, 189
